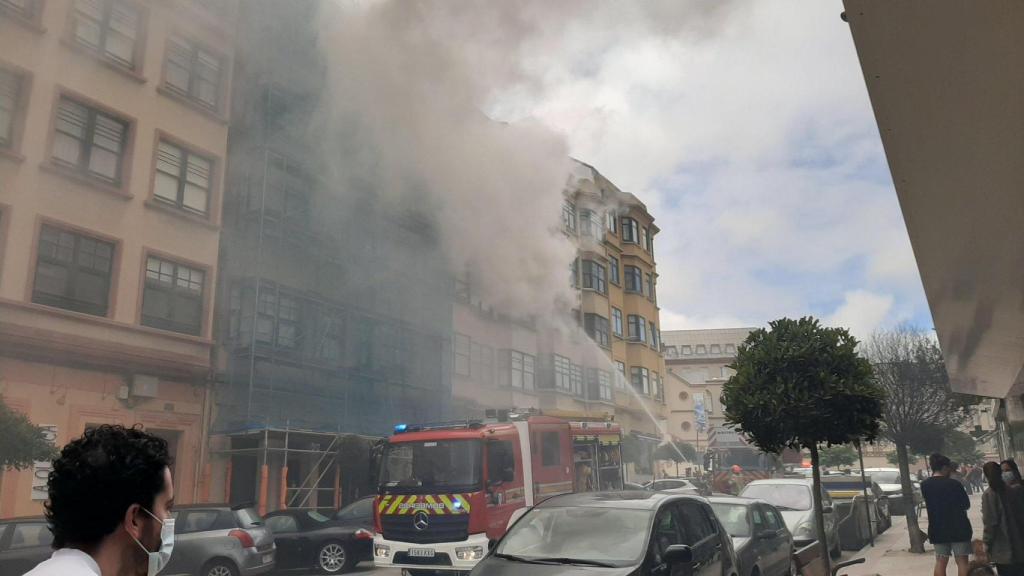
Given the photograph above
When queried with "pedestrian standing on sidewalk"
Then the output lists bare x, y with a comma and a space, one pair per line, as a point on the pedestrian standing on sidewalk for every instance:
1002, 513
1010, 466
949, 530
109, 507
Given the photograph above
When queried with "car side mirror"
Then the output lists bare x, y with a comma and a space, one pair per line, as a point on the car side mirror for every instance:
678, 554
827, 510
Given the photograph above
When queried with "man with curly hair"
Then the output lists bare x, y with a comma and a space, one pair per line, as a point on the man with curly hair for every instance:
109, 507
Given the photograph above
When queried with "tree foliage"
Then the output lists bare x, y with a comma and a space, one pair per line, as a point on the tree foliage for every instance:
798, 385
838, 456
21, 442
961, 447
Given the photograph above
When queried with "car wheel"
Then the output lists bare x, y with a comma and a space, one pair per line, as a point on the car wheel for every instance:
220, 568
332, 558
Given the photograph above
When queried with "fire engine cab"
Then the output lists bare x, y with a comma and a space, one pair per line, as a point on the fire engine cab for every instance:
449, 489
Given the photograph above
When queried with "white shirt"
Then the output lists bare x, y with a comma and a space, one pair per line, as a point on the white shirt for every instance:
67, 562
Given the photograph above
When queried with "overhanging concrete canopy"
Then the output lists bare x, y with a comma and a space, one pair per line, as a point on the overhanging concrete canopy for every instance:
946, 80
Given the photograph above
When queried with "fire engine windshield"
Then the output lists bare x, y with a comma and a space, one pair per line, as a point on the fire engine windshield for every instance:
421, 467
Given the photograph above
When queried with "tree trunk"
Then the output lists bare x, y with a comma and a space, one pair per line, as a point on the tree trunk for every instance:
909, 507
819, 516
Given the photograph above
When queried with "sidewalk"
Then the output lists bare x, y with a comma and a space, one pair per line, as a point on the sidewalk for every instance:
890, 556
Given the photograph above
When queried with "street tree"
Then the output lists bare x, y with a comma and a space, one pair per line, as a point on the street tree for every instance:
800, 385
838, 456
22, 442
676, 451
920, 409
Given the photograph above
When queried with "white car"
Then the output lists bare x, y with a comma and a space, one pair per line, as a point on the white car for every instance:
792, 497
888, 479
674, 485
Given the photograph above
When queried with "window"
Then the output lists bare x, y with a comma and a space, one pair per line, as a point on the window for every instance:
569, 217
563, 373
10, 100
594, 277
73, 271
596, 327
89, 141
461, 347
282, 524
110, 27
641, 380
655, 337
278, 318
482, 363
643, 237
686, 349
655, 385
599, 384
613, 269
666, 532
590, 224
637, 328
522, 369
695, 522
182, 178
702, 349
650, 286
196, 521
576, 381
671, 352
550, 449
611, 221
630, 230
31, 535
617, 322
634, 279
193, 72
730, 348
709, 402
331, 342
620, 377
501, 461
287, 191
650, 243
173, 296
22, 8
573, 274
716, 348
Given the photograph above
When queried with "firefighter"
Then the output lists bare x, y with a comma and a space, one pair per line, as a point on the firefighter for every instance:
736, 482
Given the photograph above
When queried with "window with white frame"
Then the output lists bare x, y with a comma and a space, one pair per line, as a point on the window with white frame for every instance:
193, 72
173, 296
617, 322
637, 328
594, 276
109, 27
641, 380
182, 178
596, 327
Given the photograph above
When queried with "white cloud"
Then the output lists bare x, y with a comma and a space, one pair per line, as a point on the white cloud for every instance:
861, 312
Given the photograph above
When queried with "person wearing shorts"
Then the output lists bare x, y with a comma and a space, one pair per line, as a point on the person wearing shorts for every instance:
949, 530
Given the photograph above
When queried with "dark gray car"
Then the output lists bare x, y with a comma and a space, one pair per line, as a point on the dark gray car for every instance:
762, 542
218, 540
24, 542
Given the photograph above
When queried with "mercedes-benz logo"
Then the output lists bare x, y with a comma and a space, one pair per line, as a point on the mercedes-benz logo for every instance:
421, 520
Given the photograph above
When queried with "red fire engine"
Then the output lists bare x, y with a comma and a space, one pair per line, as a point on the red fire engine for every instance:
447, 490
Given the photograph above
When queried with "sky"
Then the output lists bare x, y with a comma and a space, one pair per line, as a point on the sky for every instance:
748, 132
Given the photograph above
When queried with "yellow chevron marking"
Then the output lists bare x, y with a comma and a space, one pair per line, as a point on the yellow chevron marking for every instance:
447, 503
433, 509
394, 504
465, 502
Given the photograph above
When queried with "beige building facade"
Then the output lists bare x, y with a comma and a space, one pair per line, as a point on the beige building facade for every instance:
610, 363
113, 135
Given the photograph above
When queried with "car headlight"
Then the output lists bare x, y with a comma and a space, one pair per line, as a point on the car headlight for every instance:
804, 530
381, 550
469, 553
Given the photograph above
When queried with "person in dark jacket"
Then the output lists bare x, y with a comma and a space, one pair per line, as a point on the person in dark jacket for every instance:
949, 530
1002, 513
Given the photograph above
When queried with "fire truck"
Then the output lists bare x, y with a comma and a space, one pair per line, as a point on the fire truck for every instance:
448, 490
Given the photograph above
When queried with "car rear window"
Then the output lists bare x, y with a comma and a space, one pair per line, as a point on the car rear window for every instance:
248, 517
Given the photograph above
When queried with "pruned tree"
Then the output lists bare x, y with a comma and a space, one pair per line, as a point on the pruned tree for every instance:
21, 442
800, 385
920, 409
839, 455
676, 451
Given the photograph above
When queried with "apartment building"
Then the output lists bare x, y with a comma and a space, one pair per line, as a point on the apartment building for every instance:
113, 140
611, 364
697, 363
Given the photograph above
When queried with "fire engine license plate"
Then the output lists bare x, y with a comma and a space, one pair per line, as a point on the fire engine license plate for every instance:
421, 552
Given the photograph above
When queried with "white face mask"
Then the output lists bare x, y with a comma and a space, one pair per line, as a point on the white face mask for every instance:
1009, 477
158, 560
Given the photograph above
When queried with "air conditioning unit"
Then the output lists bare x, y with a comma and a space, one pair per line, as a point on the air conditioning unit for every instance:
145, 386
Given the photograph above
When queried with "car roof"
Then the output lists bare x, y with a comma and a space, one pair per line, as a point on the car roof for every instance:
797, 481
735, 500
630, 499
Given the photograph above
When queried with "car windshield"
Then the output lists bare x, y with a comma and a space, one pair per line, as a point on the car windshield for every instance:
885, 477
782, 496
612, 535
437, 464
733, 517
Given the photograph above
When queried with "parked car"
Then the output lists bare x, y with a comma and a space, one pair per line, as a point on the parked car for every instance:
792, 497
760, 538
675, 485
614, 534
307, 539
889, 480
633, 486
24, 542
220, 540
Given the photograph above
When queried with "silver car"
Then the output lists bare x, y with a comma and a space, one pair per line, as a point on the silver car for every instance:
762, 542
792, 497
218, 540
674, 485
